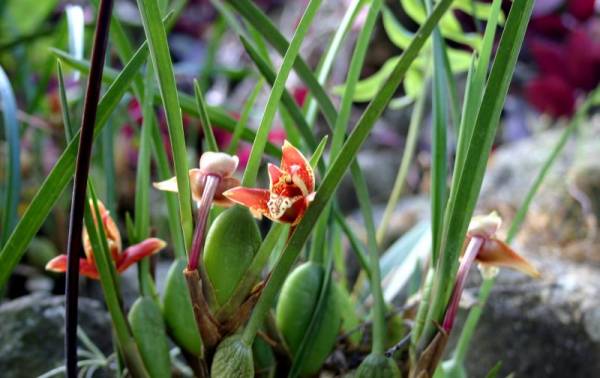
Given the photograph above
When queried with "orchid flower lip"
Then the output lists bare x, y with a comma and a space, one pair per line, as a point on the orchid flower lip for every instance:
291, 189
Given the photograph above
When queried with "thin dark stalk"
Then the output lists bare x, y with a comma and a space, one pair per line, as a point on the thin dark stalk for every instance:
210, 187
88, 121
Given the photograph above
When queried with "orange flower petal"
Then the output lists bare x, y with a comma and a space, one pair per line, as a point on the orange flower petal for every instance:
294, 163
138, 251
254, 199
497, 253
59, 265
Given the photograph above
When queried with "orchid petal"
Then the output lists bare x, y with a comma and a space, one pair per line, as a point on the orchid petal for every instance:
294, 163
254, 199
169, 185
225, 184
59, 265
138, 251
218, 163
497, 253
275, 175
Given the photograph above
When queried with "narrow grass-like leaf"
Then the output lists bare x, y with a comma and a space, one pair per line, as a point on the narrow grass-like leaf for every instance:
163, 68
331, 53
244, 117
464, 194
60, 176
407, 155
378, 311
13, 168
64, 104
217, 115
356, 63
262, 133
164, 173
264, 67
271, 33
336, 171
439, 159
474, 89
142, 184
211, 142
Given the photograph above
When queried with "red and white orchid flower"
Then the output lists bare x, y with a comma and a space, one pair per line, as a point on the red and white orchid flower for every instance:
122, 259
291, 189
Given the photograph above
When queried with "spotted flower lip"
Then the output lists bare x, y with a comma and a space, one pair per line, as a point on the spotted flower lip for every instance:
494, 253
291, 189
211, 163
123, 259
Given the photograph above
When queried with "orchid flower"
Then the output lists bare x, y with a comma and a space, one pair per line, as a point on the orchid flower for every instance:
490, 253
208, 182
212, 164
123, 259
291, 189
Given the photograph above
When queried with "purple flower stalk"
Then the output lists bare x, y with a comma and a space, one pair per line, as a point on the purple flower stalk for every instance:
208, 182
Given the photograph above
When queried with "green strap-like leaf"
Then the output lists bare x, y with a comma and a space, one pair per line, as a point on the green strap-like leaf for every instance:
13, 169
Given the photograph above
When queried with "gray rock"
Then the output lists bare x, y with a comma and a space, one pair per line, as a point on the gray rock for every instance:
540, 328
32, 332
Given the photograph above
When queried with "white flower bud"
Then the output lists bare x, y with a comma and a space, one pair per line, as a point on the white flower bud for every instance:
485, 225
218, 163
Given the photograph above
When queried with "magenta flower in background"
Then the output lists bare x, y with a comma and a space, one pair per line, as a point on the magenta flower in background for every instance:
564, 42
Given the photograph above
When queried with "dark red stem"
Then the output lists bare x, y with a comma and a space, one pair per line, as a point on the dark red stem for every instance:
210, 187
468, 258
86, 139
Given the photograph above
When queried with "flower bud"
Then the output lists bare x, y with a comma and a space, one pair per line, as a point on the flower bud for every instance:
485, 225
377, 366
233, 358
218, 163
295, 309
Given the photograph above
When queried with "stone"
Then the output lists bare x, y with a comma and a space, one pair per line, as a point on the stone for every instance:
539, 328
32, 333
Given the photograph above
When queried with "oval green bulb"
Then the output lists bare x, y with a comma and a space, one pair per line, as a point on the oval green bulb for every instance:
297, 302
231, 243
178, 311
233, 358
377, 366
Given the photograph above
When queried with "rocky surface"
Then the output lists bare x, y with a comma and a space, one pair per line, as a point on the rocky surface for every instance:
548, 327
563, 217
32, 332
540, 328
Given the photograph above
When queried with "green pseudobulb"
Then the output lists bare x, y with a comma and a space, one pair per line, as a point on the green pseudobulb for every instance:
178, 311
297, 303
377, 366
233, 358
148, 328
231, 243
